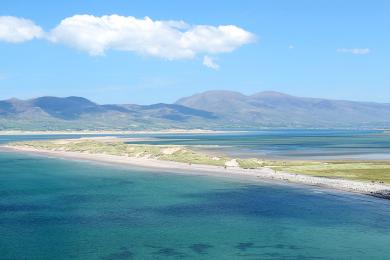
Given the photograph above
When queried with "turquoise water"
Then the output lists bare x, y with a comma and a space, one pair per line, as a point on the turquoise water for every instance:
58, 209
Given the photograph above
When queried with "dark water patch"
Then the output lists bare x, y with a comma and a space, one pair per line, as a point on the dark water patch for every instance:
11, 193
244, 246
128, 217
293, 247
121, 255
86, 198
283, 246
126, 182
112, 182
22, 207
24, 160
200, 248
32, 221
277, 255
18, 160
251, 256
279, 202
169, 252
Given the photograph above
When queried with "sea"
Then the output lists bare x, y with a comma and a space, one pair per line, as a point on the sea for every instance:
52, 208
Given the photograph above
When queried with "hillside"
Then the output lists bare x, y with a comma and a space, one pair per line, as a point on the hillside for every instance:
54, 113
212, 109
275, 109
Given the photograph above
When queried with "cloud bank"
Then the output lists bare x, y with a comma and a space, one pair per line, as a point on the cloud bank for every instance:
163, 39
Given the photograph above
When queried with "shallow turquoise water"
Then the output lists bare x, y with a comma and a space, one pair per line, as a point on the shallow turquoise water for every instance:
58, 209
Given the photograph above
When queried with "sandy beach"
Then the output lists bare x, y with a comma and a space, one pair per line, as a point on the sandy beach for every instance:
373, 189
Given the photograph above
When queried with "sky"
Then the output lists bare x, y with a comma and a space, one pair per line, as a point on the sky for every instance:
147, 52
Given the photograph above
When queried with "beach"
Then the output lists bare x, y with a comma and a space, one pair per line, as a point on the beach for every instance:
374, 189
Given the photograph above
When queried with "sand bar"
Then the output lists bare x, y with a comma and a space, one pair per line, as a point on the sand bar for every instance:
373, 189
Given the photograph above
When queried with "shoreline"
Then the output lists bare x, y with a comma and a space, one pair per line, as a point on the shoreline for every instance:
114, 132
373, 189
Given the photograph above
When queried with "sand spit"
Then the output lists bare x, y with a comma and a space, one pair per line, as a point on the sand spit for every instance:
230, 171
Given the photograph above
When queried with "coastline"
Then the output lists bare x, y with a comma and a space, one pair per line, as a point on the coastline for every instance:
119, 132
372, 189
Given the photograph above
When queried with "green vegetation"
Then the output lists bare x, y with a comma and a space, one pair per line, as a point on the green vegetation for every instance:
250, 163
377, 171
160, 152
189, 156
371, 171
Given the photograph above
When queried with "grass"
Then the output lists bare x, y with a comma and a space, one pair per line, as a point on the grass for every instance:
189, 156
182, 154
377, 171
252, 163
369, 171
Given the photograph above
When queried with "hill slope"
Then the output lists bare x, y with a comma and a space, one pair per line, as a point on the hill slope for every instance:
54, 113
275, 109
212, 109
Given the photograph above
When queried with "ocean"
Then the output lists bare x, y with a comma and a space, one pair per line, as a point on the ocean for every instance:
52, 208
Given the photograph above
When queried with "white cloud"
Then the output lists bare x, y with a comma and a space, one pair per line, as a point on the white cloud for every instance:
355, 51
209, 62
164, 39
16, 30
291, 46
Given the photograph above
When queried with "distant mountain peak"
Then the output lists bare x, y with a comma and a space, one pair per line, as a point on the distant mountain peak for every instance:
63, 99
275, 109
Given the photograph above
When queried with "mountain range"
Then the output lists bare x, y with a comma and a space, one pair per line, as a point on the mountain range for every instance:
211, 109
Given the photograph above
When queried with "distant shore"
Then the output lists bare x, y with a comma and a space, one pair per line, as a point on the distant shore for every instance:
115, 132
373, 189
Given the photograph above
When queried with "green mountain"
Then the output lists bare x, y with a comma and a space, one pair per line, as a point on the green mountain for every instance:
54, 113
212, 109
273, 109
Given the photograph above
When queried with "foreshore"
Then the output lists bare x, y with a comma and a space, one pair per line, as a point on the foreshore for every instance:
373, 189
118, 132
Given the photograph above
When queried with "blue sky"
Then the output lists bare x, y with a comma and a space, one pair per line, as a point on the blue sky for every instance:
330, 49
